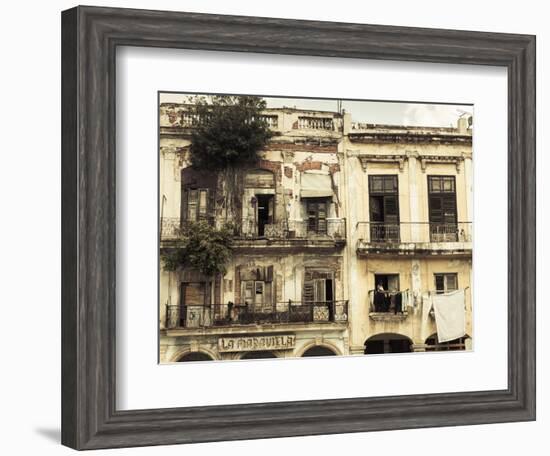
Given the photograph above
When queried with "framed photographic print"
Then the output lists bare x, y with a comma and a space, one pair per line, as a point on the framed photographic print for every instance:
279, 228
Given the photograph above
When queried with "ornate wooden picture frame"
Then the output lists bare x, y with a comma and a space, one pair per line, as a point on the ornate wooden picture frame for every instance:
90, 36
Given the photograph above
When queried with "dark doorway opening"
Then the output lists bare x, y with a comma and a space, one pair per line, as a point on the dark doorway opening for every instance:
387, 343
319, 350
195, 356
265, 212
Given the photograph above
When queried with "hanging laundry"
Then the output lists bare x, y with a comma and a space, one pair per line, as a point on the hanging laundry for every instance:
398, 300
426, 305
450, 315
405, 301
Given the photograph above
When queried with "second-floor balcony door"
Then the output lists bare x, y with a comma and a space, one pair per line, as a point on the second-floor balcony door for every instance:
318, 295
264, 212
256, 295
384, 209
442, 209
193, 299
317, 216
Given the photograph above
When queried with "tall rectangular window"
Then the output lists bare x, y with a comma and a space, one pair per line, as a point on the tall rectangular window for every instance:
195, 204
442, 209
384, 208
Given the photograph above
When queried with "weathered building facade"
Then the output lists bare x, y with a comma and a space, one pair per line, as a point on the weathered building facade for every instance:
412, 236
332, 212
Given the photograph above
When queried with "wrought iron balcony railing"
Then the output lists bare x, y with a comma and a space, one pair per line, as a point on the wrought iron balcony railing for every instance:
413, 232
207, 316
294, 229
250, 228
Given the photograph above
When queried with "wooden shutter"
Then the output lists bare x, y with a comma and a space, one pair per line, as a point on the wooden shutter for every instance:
202, 204
436, 211
192, 205
269, 274
268, 294
391, 209
309, 293
193, 294
376, 212
443, 208
247, 291
442, 199
448, 207
322, 217
259, 293
319, 290
183, 205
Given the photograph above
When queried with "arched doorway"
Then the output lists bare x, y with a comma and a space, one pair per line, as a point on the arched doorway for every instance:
319, 350
387, 343
258, 355
432, 344
195, 356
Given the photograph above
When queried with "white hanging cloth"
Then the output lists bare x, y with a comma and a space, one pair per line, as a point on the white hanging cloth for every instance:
450, 315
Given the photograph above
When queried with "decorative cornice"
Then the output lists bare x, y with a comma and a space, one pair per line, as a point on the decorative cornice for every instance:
399, 159
365, 158
439, 159
386, 137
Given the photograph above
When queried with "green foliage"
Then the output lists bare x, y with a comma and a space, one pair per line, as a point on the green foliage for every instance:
202, 247
230, 132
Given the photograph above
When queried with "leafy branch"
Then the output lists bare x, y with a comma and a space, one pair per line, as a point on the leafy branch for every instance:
200, 246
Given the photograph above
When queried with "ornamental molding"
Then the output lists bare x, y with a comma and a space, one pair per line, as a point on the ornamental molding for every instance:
399, 159
438, 159
366, 158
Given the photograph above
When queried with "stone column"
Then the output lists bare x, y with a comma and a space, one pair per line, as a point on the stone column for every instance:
418, 347
414, 230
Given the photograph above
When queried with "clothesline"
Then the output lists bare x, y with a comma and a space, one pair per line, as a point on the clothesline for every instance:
440, 292
389, 291
427, 291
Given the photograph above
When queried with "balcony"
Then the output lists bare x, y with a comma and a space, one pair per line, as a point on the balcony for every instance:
389, 306
251, 234
414, 238
224, 315
315, 123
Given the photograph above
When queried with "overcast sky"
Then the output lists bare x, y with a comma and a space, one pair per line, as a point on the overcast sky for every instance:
380, 112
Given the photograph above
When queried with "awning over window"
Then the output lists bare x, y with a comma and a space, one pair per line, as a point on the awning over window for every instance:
316, 185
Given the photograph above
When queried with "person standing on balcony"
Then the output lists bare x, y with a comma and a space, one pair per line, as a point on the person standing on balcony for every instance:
379, 298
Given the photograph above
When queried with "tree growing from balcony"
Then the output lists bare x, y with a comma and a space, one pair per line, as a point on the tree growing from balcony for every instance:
202, 247
227, 138
230, 132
